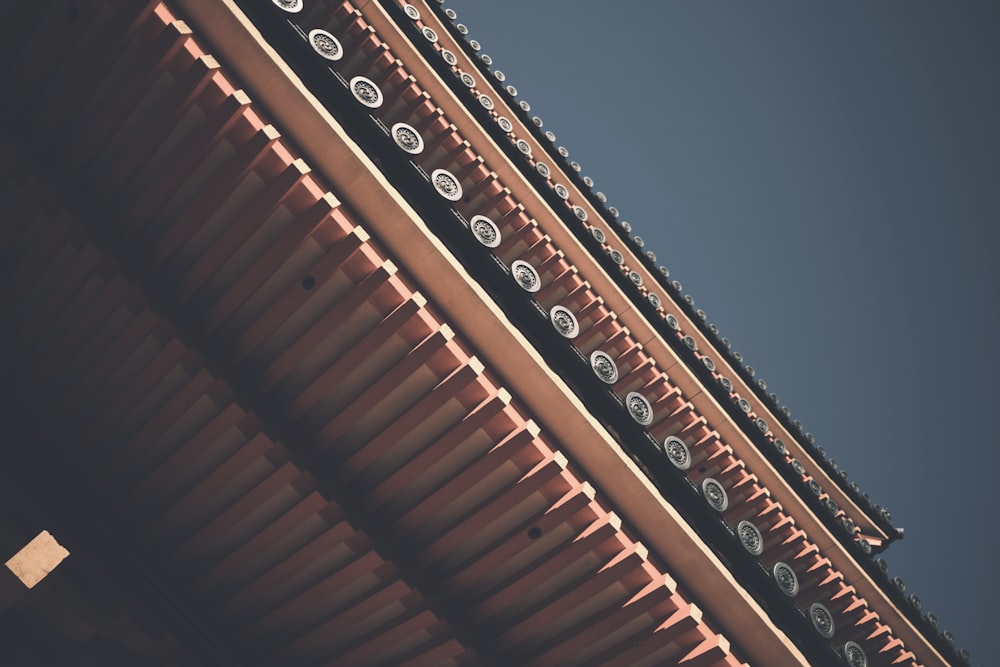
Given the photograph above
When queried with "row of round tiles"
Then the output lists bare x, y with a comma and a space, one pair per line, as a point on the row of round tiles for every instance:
563, 192
542, 168
619, 258
368, 93
408, 139
752, 541
503, 122
675, 449
639, 408
560, 189
679, 455
565, 322
744, 405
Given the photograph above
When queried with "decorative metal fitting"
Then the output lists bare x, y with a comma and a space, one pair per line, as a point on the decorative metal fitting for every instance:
822, 619
677, 452
326, 44
564, 321
446, 184
715, 494
786, 579
604, 367
750, 538
639, 408
485, 231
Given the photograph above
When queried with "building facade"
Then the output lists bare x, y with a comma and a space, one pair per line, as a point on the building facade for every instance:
317, 351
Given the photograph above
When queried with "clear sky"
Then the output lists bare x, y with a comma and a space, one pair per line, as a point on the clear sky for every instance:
824, 180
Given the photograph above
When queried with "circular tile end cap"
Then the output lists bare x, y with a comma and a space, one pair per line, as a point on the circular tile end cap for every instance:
677, 452
604, 367
639, 408
446, 184
715, 494
822, 620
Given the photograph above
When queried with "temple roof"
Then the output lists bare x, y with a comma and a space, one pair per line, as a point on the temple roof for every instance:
262, 349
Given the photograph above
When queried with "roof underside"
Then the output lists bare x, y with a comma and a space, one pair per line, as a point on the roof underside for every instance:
221, 385
235, 387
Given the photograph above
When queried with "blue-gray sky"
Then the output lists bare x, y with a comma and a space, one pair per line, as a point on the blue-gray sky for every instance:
824, 179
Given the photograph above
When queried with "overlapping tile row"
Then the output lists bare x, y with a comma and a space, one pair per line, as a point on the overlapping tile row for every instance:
490, 95
459, 174
211, 348
747, 409
866, 524
531, 142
